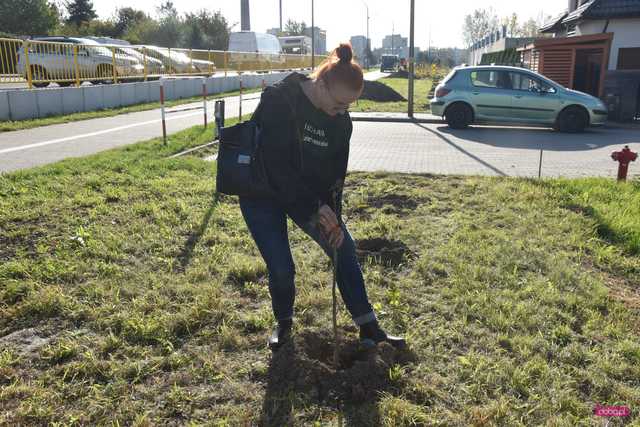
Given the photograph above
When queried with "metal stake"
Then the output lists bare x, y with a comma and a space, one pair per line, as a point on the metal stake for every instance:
204, 100
164, 126
540, 165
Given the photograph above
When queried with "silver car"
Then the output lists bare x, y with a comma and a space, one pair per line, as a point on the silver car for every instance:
500, 94
52, 58
175, 62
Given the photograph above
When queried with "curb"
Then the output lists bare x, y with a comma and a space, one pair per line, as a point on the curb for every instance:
359, 117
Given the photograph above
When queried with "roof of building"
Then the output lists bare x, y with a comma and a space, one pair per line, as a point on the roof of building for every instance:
554, 22
604, 9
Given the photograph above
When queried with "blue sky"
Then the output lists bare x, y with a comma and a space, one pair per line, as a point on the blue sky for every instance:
440, 21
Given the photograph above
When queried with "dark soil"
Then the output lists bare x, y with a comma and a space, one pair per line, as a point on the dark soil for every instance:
303, 370
379, 92
392, 253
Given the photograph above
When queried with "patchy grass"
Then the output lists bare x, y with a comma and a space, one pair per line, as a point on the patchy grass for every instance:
422, 88
615, 206
8, 126
128, 296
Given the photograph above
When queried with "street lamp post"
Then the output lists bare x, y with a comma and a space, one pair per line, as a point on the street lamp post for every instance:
313, 38
367, 47
411, 57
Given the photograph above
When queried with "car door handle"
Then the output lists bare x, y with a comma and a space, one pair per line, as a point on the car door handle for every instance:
517, 96
476, 93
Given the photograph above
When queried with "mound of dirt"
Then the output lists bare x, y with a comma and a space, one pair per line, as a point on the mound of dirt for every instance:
304, 368
379, 92
402, 74
382, 251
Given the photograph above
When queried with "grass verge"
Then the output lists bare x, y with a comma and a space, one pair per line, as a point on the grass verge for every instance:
8, 126
127, 296
422, 88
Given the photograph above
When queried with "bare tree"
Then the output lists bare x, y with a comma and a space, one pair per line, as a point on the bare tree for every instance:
478, 24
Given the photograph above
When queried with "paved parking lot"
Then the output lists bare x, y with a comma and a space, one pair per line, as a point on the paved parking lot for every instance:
484, 150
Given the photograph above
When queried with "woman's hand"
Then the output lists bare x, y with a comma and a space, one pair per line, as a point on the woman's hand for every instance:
329, 227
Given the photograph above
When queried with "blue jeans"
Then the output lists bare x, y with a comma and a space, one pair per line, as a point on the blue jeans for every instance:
267, 222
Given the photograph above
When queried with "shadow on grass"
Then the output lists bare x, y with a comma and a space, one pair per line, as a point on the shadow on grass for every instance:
185, 255
301, 375
606, 232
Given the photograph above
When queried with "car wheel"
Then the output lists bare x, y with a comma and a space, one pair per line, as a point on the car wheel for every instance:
65, 84
572, 120
39, 73
459, 116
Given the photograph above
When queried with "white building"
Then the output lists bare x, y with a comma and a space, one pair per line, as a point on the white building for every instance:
320, 41
395, 45
359, 45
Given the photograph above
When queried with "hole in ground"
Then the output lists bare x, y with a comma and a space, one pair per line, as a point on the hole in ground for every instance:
305, 366
391, 253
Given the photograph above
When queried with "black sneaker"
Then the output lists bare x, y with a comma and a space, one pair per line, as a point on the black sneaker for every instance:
280, 335
371, 335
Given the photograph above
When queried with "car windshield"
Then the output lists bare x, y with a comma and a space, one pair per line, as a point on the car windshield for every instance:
94, 48
174, 55
129, 52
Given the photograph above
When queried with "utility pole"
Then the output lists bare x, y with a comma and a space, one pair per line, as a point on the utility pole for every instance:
367, 44
313, 38
280, 15
411, 56
393, 30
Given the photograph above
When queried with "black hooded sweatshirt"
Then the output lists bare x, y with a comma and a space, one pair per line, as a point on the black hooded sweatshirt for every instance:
304, 150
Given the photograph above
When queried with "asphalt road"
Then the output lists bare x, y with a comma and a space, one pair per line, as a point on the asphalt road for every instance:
375, 75
47, 144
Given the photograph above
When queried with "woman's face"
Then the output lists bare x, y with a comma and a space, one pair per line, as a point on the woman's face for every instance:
336, 97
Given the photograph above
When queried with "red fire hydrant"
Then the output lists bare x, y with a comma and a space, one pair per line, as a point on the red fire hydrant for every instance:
624, 157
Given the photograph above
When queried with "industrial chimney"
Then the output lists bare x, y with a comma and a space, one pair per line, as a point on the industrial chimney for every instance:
245, 20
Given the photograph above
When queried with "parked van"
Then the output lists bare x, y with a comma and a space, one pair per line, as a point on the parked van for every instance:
250, 41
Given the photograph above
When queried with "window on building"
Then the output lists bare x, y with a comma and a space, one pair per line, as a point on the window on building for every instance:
629, 58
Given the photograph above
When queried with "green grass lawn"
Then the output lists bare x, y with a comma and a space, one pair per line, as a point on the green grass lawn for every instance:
7, 126
422, 88
137, 300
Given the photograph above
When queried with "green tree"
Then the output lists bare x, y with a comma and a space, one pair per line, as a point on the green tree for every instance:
80, 11
143, 32
128, 17
206, 30
28, 17
171, 28
295, 28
